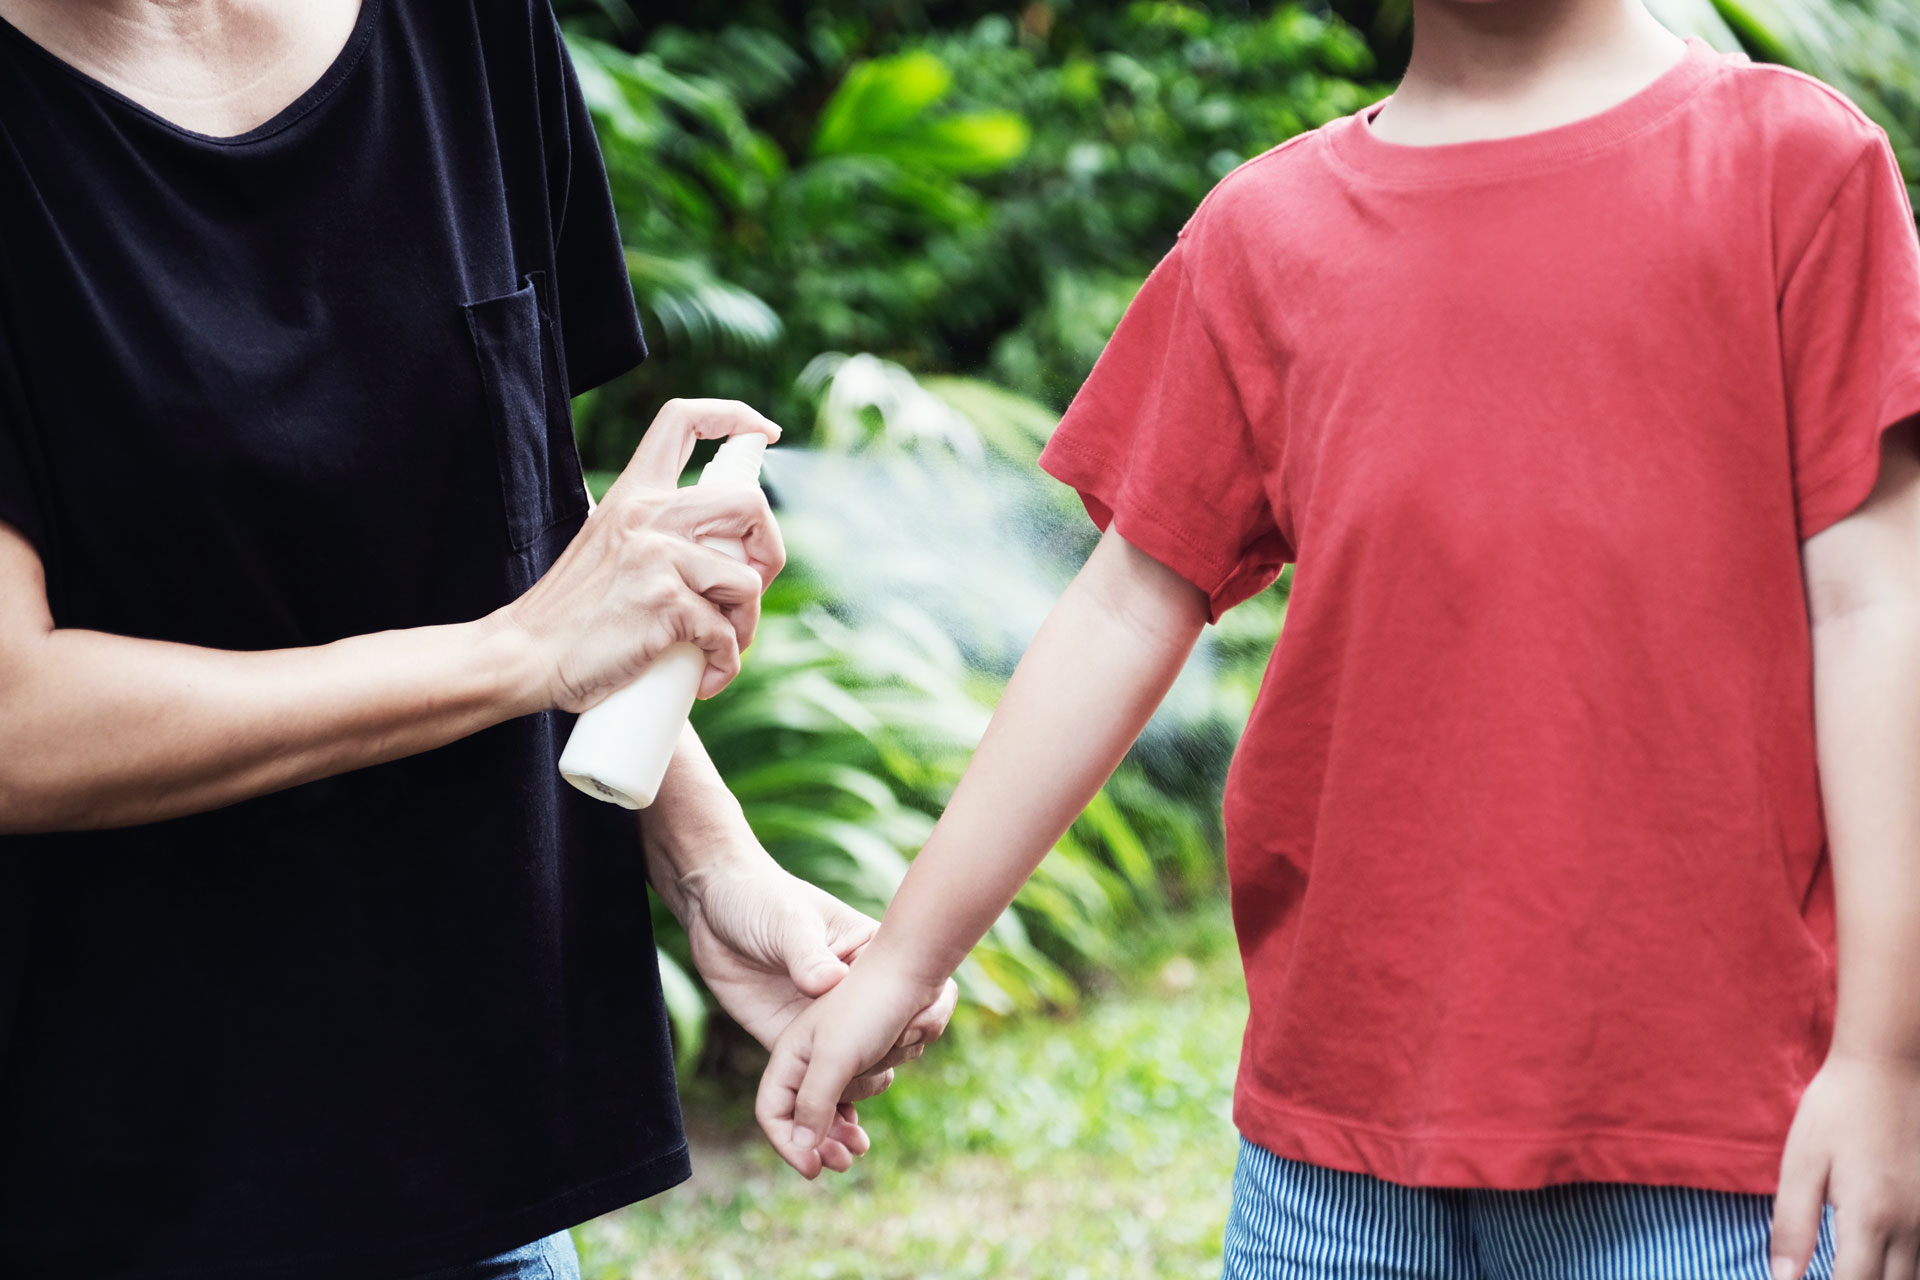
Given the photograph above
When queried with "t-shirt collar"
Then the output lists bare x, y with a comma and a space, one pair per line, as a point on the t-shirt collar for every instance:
1361, 149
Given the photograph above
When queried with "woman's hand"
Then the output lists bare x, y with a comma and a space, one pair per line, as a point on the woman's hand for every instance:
768, 944
636, 580
1855, 1142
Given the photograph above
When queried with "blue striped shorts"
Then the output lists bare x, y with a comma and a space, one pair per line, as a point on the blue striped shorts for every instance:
1296, 1221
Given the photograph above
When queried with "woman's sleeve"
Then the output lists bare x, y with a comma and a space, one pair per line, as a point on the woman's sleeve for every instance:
598, 322
1159, 446
21, 502
1850, 337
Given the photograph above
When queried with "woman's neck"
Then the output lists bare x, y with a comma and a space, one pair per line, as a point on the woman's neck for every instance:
219, 67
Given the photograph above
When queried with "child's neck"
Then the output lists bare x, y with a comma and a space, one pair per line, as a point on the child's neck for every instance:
1496, 68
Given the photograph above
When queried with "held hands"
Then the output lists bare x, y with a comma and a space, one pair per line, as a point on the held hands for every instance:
635, 580
842, 1037
770, 946
1855, 1142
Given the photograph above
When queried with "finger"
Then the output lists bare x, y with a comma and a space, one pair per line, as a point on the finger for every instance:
773, 1107
721, 581
745, 619
847, 1131
709, 630
713, 575
669, 441
819, 1093
730, 511
899, 1056
1860, 1251
1797, 1207
810, 962
870, 1085
931, 1022
835, 1156
1901, 1263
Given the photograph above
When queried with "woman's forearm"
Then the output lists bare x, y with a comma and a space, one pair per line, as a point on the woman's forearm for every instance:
104, 731
1101, 663
694, 828
100, 730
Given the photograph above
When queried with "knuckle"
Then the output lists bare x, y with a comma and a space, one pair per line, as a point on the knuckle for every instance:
745, 580
1877, 1217
639, 542
656, 592
636, 515
695, 614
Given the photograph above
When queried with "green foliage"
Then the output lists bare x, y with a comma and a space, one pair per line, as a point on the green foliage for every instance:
981, 199
882, 112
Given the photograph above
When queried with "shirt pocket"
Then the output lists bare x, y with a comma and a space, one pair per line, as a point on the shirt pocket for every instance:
540, 482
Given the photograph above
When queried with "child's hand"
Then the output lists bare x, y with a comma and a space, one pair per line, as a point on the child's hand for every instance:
1856, 1143
841, 1036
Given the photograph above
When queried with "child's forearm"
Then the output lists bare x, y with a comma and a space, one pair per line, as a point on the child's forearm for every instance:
1100, 664
1864, 596
1867, 698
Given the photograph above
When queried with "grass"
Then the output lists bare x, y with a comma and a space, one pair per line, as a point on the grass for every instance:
1095, 1144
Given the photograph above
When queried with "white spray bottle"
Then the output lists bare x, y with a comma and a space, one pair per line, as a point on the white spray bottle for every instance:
620, 749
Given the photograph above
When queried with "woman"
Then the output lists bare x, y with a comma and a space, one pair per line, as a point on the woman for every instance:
310, 964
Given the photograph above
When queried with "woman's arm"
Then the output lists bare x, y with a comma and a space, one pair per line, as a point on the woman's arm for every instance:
1856, 1138
100, 730
1101, 663
766, 942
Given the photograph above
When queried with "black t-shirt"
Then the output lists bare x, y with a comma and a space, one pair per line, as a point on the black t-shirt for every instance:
265, 392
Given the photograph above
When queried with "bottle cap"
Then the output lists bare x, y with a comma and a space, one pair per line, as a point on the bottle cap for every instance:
738, 460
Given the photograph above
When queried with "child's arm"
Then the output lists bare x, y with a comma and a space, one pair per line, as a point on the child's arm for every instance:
1856, 1138
1100, 664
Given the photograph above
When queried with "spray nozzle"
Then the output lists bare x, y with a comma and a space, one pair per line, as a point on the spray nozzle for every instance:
737, 461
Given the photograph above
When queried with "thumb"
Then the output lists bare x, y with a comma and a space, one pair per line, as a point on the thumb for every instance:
810, 962
777, 1101
1797, 1210
816, 1099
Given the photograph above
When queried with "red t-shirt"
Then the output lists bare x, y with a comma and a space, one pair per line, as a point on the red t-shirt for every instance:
1524, 836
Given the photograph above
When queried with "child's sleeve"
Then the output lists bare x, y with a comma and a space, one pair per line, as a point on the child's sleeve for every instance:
1850, 336
1160, 448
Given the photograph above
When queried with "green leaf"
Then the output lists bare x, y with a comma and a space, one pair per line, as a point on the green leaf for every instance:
686, 1010
880, 97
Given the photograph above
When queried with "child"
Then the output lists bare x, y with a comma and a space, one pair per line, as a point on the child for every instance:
1579, 378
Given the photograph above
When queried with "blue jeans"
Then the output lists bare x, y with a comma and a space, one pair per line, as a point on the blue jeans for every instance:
1295, 1221
550, 1259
